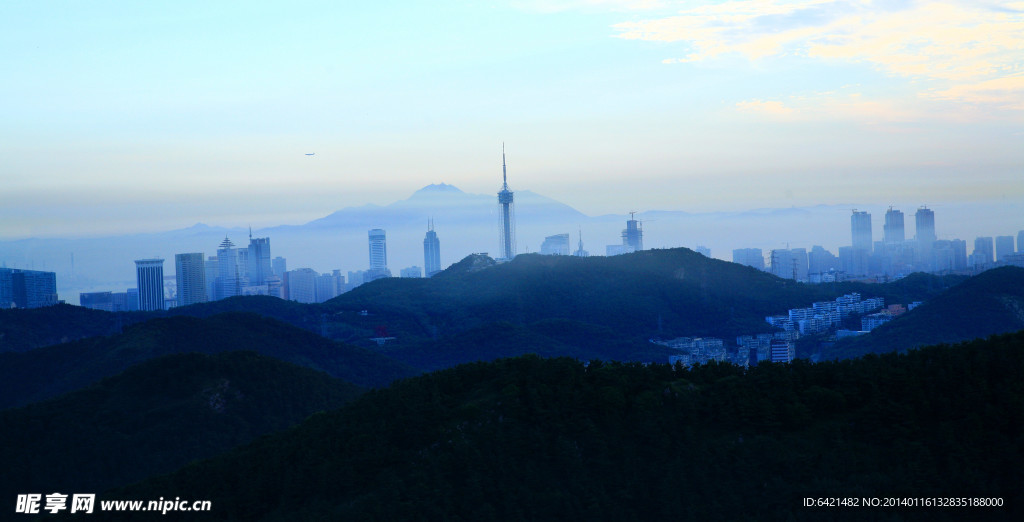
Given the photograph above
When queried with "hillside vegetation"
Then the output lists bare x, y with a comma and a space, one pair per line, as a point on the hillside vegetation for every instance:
156, 417
990, 303
47, 372
556, 439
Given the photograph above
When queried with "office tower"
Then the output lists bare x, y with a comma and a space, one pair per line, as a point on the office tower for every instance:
892, 231
633, 235
231, 268
258, 260
1004, 247
925, 225
431, 251
556, 245
820, 261
27, 288
984, 251
302, 285
97, 300
212, 271
149, 275
749, 257
860, 227
942, 256
190, 274
411, 272
1020, 241
507, 236
789, 264
279, 266
378, 255
702, 250
327, 287
959, 248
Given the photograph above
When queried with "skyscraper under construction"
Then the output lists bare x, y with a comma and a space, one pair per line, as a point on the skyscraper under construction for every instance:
508, 214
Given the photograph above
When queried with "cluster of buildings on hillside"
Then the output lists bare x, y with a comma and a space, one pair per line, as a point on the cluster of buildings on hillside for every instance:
778, 346
892, 257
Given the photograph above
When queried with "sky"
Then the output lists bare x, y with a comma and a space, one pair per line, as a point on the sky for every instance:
119, 117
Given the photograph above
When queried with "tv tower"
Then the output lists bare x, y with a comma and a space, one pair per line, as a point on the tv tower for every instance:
508, 214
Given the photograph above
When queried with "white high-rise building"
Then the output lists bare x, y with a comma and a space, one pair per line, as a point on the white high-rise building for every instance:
378, 255
149, 275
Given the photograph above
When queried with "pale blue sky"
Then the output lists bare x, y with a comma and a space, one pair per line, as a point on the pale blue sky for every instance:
145, 116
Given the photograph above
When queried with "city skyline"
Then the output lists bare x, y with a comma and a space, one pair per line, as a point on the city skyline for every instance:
143, 118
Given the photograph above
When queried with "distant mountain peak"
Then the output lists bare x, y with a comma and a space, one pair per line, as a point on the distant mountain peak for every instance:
439, 188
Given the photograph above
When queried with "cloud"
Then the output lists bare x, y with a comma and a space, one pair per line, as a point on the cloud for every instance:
973, 50
773, 108
558, 6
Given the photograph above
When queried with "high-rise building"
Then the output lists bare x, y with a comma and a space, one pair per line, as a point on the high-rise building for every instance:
892, 231
378, 255
959, 248
556, 245
820, 261
97, 300
1004, 247
633, 234
279, 266
860, 227
749, 257
924, 225
431, 251
1020, 241
149, 275
27, 288
258, 260
789, 264
984, 251
507, 236
231, 268
301, 285
212, 271
328, 286
190, 274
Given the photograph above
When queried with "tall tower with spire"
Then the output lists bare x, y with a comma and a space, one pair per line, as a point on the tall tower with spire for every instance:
431, 251
508, 214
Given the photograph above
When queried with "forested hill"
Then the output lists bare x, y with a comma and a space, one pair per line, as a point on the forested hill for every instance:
156, 417
556, 439
50, 371
670, 292
990, 303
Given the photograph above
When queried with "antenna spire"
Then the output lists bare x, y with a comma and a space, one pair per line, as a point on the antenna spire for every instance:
504, 173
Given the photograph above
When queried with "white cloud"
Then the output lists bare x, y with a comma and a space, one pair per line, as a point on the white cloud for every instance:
773, 108
974, 51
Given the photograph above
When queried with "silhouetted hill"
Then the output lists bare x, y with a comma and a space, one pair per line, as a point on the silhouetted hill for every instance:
25, 329
631, 298
46, 372
628, 298
555, 439
990, 303
22, 330
156, 417
548, 338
